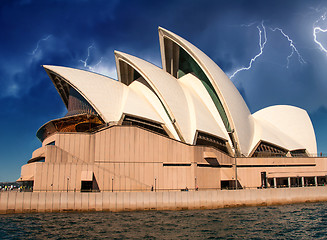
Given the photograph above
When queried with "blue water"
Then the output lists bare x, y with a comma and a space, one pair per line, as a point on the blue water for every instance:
298, 221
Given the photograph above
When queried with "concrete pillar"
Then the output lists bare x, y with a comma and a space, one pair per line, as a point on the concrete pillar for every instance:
302, 178
275, 183
316, 181
289, 182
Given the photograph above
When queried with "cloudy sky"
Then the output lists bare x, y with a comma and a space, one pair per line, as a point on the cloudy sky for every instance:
286, 41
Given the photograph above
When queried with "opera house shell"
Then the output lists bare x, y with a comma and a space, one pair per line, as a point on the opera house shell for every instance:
182, 126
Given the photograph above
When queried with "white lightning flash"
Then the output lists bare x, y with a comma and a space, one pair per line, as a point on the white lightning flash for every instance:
318, 29
38, 44
85, 62
87, 58
96, 65
262, 43
315, 31
294, 49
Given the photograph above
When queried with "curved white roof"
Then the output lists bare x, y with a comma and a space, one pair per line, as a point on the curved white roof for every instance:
184, 106
237, 111
292, 122
108, 97
203, 113
153, 100
136, 104
94, 88
168, 91
265, 131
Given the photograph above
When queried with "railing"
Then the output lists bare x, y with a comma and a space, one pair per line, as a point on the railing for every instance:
273, 155
168, 190
323, 155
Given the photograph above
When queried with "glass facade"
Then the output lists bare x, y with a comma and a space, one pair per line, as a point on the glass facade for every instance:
77, 104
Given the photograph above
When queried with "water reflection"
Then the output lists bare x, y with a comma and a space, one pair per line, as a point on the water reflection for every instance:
303, 221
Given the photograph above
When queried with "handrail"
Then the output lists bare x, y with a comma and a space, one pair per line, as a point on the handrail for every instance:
315, 155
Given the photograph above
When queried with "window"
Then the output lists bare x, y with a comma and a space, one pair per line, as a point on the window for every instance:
269, 150
211, 140
51, 143
149, 125
77, 104
299, 153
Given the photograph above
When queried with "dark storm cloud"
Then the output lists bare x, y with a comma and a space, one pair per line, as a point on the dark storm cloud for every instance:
76, 31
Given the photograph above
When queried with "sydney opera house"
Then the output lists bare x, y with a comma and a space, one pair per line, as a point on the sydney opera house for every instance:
184, 126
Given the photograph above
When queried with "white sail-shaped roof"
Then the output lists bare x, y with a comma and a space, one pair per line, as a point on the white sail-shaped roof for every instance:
184, 101
153, 100
293, 124
266, 132
201, 108
237, 111
108, 97
137, 105
94, 88
168, 91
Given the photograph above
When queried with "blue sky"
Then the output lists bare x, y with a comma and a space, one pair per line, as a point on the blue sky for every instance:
289, 67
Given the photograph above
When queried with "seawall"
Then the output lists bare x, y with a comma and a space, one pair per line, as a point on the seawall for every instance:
25, 202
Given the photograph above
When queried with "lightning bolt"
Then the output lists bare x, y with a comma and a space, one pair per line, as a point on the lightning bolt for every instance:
38, 44
317, 29
262, 43
294, 49
85, 62
96, 65
87, 58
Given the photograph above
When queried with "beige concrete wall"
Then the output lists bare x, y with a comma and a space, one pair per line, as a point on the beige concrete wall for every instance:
132, 157
128, 158
118, 144
249, 174
40, 152
18, 202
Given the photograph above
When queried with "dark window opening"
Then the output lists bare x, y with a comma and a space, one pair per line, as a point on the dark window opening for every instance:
136, 75
308, 181
90, 186
264, 181
36, 159
268, 150
176, 164
270, 182
225, 184
230, 184
149, 125
204, 165
322, 181
27, 186
77, 104
61, 86
297, 182
86, 186
299, 153
282, 182
205, 139
51, 143
41, 160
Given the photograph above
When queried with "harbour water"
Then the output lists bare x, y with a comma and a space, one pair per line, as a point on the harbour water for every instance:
297, 221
